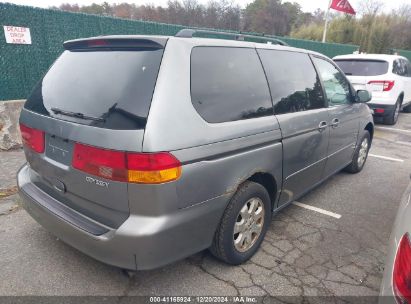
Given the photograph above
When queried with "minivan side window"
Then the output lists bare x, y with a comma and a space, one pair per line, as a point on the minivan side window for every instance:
336, 86
293, 81
228, 84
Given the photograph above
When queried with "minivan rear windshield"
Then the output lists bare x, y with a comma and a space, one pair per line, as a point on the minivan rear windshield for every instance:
362, 67
113, 87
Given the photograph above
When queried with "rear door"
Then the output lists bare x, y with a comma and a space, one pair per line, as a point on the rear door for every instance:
300, 108
98, 94
343, 115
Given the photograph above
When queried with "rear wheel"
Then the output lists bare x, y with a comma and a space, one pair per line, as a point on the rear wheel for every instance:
360, 154
244, 224
393, 118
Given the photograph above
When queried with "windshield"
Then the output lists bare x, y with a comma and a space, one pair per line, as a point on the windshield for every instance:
115, 86
362, 67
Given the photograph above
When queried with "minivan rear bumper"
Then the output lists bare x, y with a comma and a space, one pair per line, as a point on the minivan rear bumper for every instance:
140, 243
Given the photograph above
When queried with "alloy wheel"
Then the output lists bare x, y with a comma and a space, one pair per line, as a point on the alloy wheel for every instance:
249, 224
362, 155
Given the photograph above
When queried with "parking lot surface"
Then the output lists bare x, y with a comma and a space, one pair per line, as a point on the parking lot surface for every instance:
333, 243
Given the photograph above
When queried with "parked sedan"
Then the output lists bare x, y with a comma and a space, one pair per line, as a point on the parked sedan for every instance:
396, 283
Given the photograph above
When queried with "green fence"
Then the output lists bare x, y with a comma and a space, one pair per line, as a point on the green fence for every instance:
23, 65
404, 53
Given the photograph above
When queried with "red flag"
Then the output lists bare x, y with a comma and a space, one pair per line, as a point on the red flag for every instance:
342, 6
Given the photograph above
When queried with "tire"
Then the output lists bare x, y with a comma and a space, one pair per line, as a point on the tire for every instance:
393, 118
224, 247
357, 164
407, 109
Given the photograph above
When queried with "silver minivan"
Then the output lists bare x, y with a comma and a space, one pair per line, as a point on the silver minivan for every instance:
142, 150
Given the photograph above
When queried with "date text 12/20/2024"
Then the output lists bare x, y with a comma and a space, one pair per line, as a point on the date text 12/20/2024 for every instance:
203, 299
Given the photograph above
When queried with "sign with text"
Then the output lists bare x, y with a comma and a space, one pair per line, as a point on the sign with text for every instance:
17, 35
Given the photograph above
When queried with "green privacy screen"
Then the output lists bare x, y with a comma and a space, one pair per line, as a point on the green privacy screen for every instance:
404, 53
23, 65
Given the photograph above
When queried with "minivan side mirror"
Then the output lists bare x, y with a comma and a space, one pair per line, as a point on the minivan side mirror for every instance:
363, 96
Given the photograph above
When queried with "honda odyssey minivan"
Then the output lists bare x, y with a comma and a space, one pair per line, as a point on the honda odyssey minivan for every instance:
143, 150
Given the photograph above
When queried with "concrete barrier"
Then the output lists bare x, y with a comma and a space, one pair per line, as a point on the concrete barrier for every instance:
9, 124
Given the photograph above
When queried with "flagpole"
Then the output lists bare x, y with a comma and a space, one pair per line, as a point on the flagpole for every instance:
326, 21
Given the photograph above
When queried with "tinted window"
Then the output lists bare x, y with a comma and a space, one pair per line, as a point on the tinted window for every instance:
228, 84
294, 84
360, 67
116, 86
399, 67
336, 86
405, 65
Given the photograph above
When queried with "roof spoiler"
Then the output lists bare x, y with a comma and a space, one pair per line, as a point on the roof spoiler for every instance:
188, 33
112, 42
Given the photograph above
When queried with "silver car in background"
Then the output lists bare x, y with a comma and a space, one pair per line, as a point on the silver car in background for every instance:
396, 283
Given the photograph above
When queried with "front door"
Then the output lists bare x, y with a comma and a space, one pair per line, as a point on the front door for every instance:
343, 115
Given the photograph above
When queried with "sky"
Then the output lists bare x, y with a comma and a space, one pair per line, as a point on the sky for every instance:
307, 5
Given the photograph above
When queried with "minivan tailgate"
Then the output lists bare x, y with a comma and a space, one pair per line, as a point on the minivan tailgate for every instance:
98, 93
103, 200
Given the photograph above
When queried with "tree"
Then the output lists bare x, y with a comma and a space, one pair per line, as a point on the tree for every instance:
373, 29
266, 16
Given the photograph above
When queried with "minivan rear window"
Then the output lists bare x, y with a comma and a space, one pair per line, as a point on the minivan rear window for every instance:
362, 67
112, 88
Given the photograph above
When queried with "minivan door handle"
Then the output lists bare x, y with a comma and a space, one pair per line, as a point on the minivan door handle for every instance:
335, 122
322, 126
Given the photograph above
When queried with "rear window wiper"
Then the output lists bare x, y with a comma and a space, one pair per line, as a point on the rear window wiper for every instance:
76, 114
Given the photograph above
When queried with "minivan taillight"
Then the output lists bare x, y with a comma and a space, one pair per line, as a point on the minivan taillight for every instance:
387, 85
32, 138
402, 271
144, 168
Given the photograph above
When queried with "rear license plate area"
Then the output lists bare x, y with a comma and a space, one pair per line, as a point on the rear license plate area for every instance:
59, 149
375, 87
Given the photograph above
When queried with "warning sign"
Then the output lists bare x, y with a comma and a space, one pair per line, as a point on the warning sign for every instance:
17, 35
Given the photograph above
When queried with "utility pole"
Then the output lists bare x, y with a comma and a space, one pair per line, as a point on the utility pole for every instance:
326, 21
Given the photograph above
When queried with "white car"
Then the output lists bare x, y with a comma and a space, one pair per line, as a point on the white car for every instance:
388, 77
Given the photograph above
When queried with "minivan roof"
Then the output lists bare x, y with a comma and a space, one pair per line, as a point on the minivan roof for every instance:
195, 41
384, 57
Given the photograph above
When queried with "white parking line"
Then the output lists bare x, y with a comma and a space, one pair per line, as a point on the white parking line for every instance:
403, 143
319, 210
386, 158
393, 129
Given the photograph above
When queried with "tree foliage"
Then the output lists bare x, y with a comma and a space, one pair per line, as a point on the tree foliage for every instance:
374, 29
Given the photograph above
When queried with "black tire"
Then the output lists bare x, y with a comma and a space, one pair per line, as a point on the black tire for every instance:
223, 244
393, 118
356, 166
407, 109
